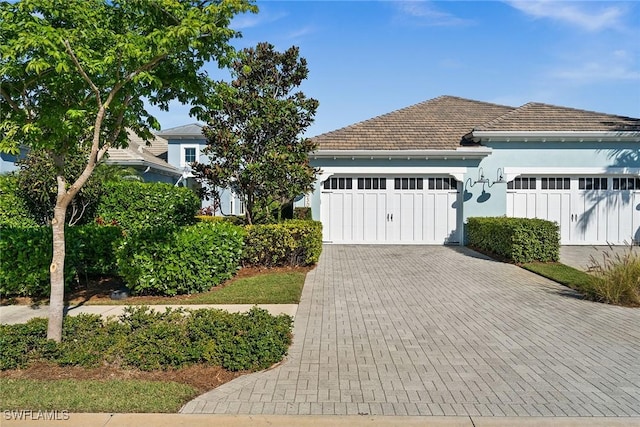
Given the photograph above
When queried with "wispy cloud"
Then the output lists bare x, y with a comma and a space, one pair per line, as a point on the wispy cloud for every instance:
592, 16
425, 13
301, 32
592, 72
251, 20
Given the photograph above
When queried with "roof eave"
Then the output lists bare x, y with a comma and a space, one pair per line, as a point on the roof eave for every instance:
460, 153
556, 136
168, 170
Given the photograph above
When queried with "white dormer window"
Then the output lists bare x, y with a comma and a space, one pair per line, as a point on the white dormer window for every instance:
189, 155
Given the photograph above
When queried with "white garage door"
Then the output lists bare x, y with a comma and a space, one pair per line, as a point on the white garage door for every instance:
389, 209
589, 209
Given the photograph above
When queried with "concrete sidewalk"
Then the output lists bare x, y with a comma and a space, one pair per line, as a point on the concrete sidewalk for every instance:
12, 314
198, 420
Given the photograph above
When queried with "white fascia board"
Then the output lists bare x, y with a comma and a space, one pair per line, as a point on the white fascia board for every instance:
459, 153
513, 172
458, 173
557, 136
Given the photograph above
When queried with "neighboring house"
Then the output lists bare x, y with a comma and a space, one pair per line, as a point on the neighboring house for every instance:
185, 145
8, 161
150, 161
416, 174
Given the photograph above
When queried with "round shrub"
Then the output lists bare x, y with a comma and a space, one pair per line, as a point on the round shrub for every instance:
179, 260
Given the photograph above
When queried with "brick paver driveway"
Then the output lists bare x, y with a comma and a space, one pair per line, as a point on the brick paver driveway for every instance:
428, 330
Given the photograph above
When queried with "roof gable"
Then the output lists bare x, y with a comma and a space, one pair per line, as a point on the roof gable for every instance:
439, 123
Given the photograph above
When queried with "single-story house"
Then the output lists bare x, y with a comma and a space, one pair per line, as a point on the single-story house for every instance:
416, 174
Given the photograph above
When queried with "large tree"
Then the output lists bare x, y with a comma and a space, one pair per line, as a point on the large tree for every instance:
75, 73
254, 141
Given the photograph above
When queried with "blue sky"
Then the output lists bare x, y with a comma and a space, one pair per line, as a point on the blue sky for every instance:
368, 58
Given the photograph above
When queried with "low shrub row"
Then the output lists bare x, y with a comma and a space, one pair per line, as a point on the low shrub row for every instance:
166, 260
149, 340
517, 239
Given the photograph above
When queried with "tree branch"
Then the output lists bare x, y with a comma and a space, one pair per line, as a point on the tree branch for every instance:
10, 101
82, 72
149, 65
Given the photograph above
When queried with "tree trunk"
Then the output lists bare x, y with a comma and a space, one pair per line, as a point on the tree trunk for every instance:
249, 210
56, 300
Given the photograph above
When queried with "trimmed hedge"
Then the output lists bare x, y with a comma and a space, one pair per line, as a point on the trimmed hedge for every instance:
13, 209
134, 204
517, 239
149, 340
179, 260
291, 243
25, 256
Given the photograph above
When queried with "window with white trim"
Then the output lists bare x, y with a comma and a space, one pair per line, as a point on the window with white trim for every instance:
555, 183
442, 184
372, 183
188, 155
338, 184
623, 184
522, 184
592, 183
408, 184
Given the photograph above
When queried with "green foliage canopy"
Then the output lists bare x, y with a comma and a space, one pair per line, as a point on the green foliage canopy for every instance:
76, 73
37, 187
253, 136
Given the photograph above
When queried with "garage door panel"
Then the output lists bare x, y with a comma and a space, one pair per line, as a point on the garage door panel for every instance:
442, 223
373, 214
589, 209
404, 210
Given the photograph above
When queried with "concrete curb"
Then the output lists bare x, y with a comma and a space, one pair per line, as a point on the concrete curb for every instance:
198, 420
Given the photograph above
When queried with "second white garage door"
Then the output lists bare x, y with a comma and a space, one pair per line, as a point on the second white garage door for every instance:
389, 209
591, 210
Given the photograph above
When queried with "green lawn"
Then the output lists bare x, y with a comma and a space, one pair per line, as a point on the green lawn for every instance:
563, 274
269, 288
94, 396
265, 288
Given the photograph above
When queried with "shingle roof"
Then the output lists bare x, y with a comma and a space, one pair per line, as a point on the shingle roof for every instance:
439, 123
158, 145
536, 116
192, 130
138, 154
